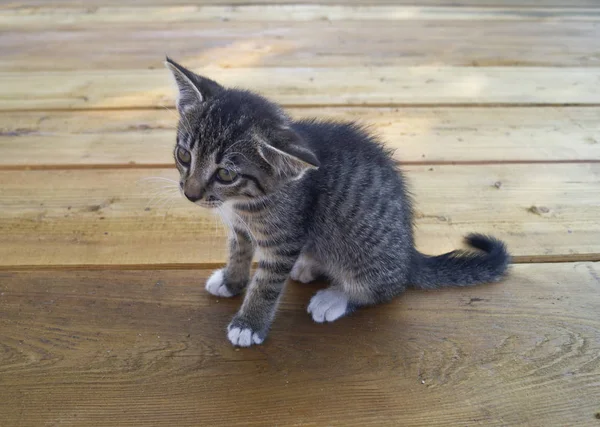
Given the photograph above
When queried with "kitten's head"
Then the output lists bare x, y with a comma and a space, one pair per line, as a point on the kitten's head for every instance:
232, 144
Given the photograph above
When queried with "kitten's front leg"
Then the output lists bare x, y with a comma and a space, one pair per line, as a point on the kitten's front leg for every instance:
234, 278
251, 324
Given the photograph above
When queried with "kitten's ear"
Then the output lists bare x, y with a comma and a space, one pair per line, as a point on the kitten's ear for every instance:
287, 152
193, 89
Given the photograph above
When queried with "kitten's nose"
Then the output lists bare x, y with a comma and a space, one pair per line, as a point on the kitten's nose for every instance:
194, 197
194, 190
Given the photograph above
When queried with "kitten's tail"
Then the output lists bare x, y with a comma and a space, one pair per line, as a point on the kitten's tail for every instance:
461, 268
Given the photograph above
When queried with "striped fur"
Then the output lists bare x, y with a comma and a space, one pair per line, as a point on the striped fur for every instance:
310, 199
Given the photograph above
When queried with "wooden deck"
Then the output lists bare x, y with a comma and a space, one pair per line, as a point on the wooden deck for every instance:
494, 108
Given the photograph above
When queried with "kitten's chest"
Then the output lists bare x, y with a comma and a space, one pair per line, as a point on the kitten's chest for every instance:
256, 224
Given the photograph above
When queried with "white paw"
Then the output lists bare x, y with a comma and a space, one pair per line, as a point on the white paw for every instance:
243, 337
216, 286
303, 271
328, 305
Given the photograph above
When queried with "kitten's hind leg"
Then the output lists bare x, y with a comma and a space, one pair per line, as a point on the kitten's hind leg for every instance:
329, 304
306, 269
342, 299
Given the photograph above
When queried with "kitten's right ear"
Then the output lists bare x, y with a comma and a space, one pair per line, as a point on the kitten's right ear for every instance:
193, 89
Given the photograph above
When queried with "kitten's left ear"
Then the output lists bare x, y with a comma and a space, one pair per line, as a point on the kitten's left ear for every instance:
288, 153
193, 89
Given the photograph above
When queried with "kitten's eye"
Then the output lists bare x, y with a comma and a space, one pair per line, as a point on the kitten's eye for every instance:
184, 156
226, 176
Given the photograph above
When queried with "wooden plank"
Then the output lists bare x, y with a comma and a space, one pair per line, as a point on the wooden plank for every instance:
104, 217
92, 4
314, 44
144, 137
32, 18
148, 348
309, 86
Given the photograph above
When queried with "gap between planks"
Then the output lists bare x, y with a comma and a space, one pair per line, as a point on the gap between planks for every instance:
417, 136
521, 259
103, 217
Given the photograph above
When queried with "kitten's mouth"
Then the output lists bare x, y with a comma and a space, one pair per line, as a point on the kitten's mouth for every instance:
210, 205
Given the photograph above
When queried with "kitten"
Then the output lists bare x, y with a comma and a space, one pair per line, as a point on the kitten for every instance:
310, 198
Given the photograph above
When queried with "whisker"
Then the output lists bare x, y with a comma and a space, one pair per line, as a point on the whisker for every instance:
158, 191
228, 224
245, 157
216, 224
155, 181
161, 203
173, 201
166, 187
160, 196
157, 178
170, 110
166, 201
184, 121
239, 217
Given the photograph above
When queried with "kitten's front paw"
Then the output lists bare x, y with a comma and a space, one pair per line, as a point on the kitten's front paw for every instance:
241, 334
216, 285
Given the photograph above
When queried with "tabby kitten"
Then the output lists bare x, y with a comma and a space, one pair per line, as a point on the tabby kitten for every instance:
310, 198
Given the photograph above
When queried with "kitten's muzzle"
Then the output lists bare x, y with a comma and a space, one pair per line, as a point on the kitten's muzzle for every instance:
194, 197
208, 202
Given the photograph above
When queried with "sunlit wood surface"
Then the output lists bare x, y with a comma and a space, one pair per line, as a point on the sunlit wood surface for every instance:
493, 109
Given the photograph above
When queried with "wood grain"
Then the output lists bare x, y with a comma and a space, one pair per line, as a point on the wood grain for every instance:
309, 87
419, 135
92, 4
35, 18
96, 217
145, 348
321, 43
493, 107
